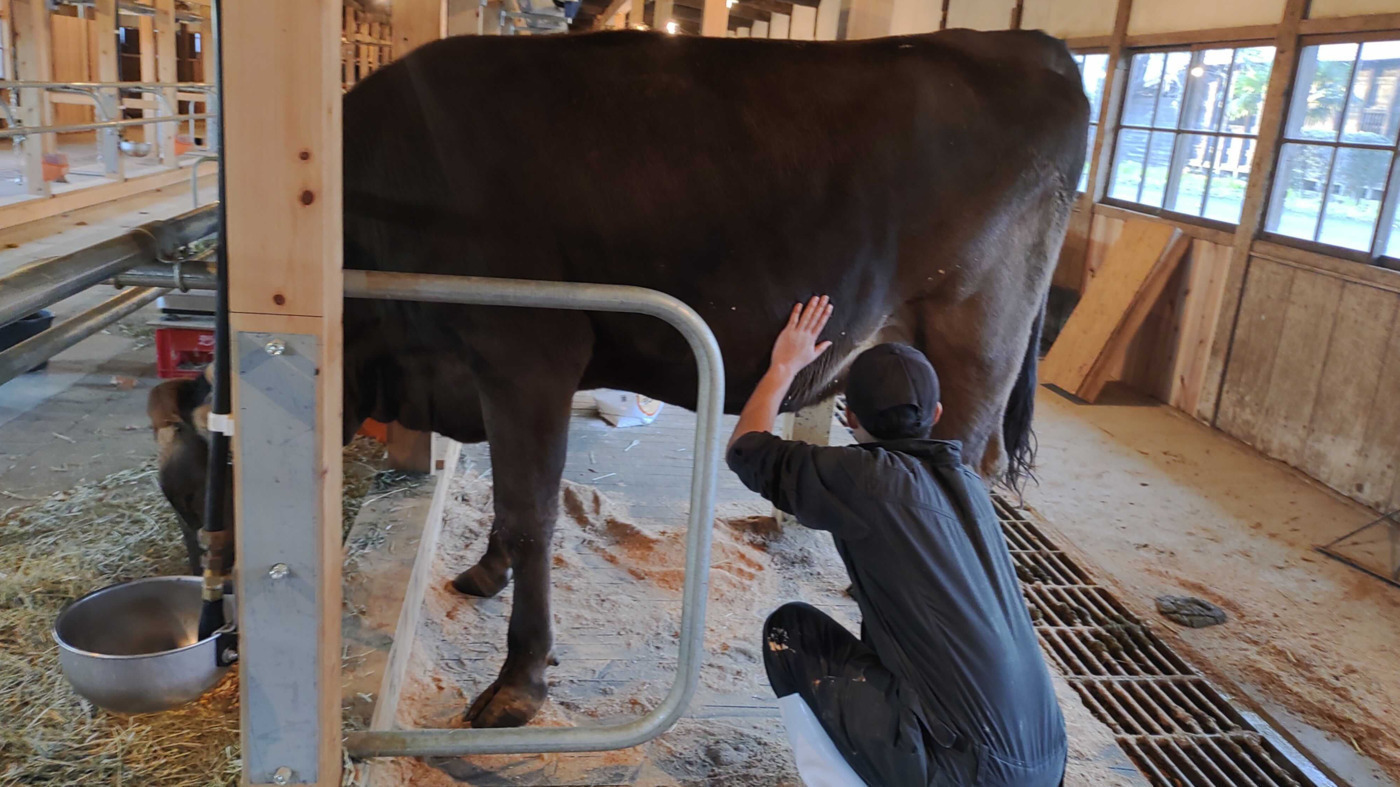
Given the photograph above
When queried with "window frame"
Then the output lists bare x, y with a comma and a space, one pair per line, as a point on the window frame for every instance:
1118, 128
1096, 118
1389, 197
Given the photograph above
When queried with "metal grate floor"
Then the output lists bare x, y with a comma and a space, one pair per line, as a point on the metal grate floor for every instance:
1175, 727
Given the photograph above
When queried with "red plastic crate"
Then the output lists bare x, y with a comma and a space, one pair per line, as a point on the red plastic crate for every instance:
183, 352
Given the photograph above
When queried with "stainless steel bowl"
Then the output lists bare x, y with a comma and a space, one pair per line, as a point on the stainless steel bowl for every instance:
131, 647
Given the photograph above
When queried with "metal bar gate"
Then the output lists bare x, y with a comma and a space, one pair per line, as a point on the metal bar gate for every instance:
267, 728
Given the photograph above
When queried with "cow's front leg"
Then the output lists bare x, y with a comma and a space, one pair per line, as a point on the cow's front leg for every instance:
528, 430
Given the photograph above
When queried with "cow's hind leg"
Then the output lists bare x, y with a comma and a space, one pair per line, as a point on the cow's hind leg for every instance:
526, 401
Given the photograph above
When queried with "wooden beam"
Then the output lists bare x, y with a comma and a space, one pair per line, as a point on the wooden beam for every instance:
1084, 43
167, 73
19, 213
1365, 23
417, 22
715, 22
614, 7
769, 6
33, 37
1262, 164
637, 16
146, 41
943, 17
663, 12
282, 97
740, 12
1208, 36
1016, 13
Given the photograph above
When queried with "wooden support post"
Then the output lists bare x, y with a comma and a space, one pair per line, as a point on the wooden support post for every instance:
780, 26
282, 75
167, 73
714, 20
828, 20
636, 16
664, 11
33, 37
1261, 179
105, 31
146, 41
804, 23
417, 22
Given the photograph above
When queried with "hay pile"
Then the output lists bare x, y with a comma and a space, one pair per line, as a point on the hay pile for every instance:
59, 548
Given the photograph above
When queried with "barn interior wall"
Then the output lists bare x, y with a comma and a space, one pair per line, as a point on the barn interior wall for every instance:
1334, 8
1069, 18
981, 14
1171, 16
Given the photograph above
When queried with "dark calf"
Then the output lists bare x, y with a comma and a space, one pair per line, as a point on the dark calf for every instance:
179, 413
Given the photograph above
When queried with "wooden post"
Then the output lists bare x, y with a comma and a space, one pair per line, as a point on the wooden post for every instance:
664, 12
105, 30
804, 23
714, 19
283, 124
146, 40
33, 37
779, 26
417, 22
828, 20
167, 73
1261, 178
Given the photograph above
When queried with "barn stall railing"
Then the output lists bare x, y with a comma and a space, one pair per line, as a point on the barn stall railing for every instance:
157, 245
108, 103
709, 400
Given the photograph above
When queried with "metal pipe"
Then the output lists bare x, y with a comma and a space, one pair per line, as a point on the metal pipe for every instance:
709, 400
40, 284
7, 84
27, 130
194, 174
35, 350
200, 273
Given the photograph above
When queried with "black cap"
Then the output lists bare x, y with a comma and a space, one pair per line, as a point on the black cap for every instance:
893, 391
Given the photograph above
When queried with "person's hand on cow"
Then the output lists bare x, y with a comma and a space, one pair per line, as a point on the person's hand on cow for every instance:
797, 345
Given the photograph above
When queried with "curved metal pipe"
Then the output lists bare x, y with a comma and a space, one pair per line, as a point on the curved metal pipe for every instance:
41, 284
35, 350
709, 401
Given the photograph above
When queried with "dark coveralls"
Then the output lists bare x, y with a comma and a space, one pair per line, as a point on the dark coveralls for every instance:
946, 685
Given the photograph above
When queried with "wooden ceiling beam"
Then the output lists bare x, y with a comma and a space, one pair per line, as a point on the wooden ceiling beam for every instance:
738, 11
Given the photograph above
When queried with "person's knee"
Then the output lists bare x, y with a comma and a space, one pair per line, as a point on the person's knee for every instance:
784, 622
781, 633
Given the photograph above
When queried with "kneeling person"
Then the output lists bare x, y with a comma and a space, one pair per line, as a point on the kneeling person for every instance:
946, 684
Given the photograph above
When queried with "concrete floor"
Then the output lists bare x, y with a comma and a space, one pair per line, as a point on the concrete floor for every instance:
85, 416
1160, 504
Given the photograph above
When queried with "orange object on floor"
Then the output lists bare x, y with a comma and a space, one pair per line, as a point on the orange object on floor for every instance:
374, 429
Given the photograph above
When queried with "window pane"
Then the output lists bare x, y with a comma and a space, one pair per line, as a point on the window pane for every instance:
1084, 175
1205, 89
1371, 113
1316, 111
1128, 159
1228, 178
1143, 81
1186, 190
1159, 158
1173, 85
1358, 180
1095, 71
1297, 200
1247, 88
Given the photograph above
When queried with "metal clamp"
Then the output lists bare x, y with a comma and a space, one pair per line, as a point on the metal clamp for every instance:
709, 364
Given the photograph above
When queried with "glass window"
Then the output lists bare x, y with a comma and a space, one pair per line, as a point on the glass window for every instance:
1187, 131
1094, 70
1339, 148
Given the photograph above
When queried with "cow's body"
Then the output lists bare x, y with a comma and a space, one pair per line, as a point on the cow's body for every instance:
923, 182
179, 413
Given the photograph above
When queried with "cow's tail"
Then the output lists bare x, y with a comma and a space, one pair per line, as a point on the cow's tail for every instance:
1017, 437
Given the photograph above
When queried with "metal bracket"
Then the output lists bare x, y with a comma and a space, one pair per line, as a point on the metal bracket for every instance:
279, 498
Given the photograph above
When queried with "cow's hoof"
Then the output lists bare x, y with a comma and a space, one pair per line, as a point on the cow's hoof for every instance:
507, 704
481, 582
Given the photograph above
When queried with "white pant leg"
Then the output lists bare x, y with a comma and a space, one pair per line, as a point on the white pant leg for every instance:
819, 763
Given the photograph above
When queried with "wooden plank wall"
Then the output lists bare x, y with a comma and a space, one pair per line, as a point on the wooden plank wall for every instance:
1167, 358
1315, 375
72, 62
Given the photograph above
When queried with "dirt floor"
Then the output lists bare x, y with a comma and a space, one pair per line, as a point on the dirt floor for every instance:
1162, 504
618, 553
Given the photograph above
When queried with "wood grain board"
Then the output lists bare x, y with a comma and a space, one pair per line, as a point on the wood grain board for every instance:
1136, 268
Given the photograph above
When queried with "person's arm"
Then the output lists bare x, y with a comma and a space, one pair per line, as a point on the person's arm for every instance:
795, 347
